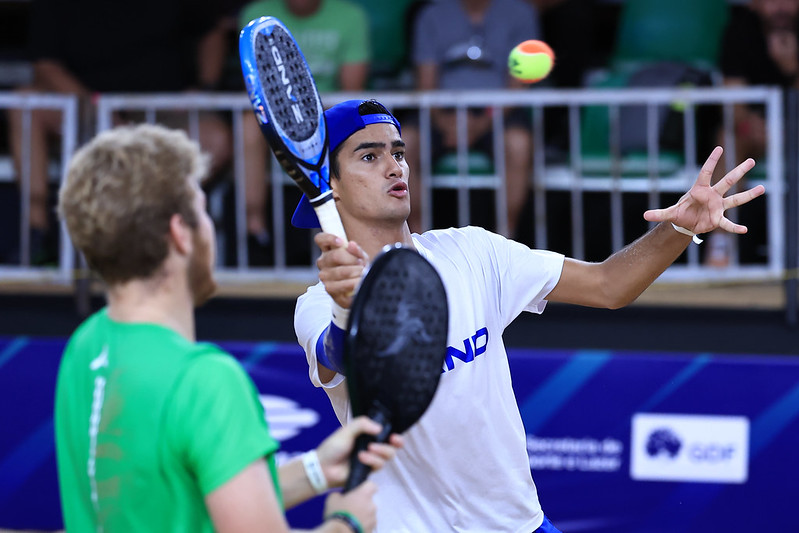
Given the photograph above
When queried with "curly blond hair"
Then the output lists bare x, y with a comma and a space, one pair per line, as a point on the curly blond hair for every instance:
120, 192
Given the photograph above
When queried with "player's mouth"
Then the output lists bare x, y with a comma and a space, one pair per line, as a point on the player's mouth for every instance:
399, 190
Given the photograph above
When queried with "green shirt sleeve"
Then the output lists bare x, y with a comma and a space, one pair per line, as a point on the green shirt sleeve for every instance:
217, 423
356, 47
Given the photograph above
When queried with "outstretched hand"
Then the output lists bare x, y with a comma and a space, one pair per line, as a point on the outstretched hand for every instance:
701, 209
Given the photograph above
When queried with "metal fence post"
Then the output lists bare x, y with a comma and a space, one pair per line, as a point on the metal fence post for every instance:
791, 205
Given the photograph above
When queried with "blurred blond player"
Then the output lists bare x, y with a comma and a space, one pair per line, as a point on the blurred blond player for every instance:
464, 466
154, 431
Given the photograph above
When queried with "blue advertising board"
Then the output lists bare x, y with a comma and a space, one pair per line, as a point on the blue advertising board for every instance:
618, 441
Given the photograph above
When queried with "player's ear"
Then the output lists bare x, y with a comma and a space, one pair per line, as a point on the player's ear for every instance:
334, 184
180, 234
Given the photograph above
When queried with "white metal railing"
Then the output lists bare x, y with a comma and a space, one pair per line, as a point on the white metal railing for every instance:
569, 176
27, 104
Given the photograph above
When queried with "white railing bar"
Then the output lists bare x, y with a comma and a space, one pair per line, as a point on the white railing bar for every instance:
69, 143
501, 191
578, 230
776, 182
539, 190
616, 215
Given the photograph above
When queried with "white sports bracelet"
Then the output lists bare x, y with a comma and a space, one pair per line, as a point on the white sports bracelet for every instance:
340, 316
684, 231
313, 470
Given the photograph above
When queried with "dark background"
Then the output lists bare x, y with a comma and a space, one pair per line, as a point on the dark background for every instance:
637, 327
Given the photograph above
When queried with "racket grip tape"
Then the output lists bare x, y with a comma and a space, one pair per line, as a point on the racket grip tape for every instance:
329, 218
359, 471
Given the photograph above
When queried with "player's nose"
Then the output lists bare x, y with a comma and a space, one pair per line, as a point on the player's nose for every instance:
394, 168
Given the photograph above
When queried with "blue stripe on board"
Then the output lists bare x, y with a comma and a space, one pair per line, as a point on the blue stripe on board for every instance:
697, 363
542, 404
773, 420
20, 464
260, 351
12, 349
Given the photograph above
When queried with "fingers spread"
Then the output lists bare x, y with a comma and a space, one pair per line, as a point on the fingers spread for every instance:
656, 215
743, 197
728, 225
732, 177
710, 165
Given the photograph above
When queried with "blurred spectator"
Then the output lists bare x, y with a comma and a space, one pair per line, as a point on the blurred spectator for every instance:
657, 43
464, 44
334, 37
85, 48
389, 34
759, 47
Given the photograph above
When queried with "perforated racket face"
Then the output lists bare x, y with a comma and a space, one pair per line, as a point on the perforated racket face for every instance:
397, 338
286, 103
289, 89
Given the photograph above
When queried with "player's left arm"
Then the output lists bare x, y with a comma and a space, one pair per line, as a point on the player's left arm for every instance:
622, 277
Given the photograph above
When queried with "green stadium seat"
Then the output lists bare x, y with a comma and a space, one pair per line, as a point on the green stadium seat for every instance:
652, 32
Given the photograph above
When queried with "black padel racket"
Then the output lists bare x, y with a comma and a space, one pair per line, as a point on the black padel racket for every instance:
395, 345
289, 111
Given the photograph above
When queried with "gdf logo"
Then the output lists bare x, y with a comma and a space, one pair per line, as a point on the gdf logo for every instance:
672, 447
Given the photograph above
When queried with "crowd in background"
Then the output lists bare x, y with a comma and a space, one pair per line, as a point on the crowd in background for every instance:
90, 47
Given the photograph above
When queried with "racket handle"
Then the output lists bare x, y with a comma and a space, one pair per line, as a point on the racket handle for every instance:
359, 471
329, 219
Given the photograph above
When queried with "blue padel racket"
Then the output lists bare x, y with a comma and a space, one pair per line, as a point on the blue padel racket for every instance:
395, 345
289, 111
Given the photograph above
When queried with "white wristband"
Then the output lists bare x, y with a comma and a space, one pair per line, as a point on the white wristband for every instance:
684, 231
340, 316
313, 470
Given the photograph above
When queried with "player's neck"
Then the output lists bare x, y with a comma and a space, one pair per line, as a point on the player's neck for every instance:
373, 238
162, 299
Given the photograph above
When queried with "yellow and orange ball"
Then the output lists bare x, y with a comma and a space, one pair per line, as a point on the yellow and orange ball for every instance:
531, 61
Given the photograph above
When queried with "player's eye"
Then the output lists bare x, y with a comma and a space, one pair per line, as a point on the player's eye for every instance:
368, 157
400, 155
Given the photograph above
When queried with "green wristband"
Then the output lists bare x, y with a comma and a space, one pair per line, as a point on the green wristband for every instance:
348, 519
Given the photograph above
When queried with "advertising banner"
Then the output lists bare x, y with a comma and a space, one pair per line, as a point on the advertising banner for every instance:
617, 441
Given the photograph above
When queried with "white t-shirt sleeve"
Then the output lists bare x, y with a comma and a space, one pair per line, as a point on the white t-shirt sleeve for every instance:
526, 276
312, 316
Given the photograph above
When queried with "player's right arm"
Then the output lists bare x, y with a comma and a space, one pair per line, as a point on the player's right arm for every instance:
340, 270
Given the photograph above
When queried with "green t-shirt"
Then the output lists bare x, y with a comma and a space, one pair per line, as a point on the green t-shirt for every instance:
147, 424
336, 34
